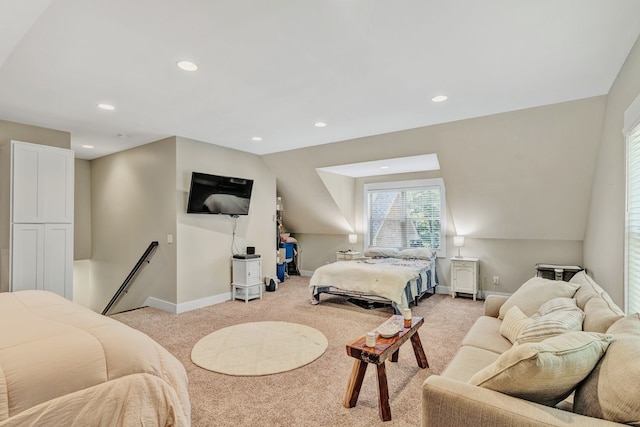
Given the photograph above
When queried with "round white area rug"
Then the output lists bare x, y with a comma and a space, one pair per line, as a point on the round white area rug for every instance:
259, 348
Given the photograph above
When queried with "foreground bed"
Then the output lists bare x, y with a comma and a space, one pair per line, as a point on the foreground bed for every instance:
398, 280
62, 364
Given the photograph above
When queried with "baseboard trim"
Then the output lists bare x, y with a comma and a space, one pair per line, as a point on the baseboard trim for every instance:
306, 273
189, 305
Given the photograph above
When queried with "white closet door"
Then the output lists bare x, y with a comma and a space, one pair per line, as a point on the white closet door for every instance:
27, 206
58, 256
27, 258
56, 183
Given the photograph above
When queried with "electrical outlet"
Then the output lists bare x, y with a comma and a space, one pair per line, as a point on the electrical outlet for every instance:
496, 280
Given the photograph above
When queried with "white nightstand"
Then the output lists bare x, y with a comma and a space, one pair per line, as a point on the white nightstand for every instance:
348, 256
464, 276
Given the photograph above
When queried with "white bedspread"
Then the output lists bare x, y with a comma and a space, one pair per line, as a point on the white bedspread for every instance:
372, 277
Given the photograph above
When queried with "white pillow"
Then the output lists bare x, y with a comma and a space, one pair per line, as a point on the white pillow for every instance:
545, 372
381, 252
551, 324
535, 292
416, 253
513, 324
558, 304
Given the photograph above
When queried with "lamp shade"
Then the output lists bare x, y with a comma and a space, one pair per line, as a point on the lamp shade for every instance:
353, 238
458, 241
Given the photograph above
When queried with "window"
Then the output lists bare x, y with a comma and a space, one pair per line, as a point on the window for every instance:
406, 214
632, 231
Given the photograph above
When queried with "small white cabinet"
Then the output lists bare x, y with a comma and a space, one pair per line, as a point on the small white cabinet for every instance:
464, 276
247, 278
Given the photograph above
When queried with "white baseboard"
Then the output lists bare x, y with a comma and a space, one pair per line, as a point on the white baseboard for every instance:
187, 306
306, 273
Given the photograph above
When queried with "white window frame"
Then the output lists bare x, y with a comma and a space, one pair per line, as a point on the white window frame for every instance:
631, 127
405, 185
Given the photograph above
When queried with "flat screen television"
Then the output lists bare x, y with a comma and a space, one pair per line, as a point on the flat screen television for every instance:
221, 195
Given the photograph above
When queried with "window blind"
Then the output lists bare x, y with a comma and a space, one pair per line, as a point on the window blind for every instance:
633, 222
403, 218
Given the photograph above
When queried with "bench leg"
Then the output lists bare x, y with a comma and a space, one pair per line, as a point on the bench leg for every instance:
394, 356
383, 393
355, 383
421, 358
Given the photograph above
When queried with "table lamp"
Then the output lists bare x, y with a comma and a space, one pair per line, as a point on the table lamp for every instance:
458, 241
353, 239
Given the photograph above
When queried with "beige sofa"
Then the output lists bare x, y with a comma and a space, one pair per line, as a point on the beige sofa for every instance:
610, 390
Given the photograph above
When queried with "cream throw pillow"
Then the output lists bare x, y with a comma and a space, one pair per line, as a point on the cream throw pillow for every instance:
611, 391
544, 372
550, 325
513, 324
557, 304
535, 292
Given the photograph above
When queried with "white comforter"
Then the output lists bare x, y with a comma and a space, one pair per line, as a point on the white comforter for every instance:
371, 277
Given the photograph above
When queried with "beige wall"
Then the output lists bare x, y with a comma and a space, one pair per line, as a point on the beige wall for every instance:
133, 203
604, 239
518, 186
206, 243
82, 210
33, 134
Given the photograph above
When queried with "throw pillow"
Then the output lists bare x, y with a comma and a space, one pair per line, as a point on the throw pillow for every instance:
550, 325
557, 304
545, 372
535, 292
611, 391
513, 324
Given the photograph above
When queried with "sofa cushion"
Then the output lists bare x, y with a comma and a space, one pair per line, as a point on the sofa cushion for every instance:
485, 334
599, 315
535, 292
544, 372
611, 391
588, 287
513, 324
467, 362
550, 325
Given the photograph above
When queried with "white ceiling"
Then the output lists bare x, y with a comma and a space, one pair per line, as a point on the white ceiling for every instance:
274, 68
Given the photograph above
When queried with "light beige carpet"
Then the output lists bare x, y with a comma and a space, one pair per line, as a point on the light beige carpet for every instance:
259, 348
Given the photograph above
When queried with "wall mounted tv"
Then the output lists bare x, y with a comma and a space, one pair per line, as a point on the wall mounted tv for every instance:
222, 195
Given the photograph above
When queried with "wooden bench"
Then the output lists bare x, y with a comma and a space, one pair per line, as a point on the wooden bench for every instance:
384, 348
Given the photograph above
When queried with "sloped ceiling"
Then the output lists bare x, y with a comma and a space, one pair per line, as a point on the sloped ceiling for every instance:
519, 175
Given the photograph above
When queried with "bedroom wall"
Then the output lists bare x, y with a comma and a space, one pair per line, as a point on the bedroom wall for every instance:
133, 203
604, 237
206, 242
518, 186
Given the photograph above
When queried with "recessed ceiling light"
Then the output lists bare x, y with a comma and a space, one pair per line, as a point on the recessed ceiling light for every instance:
256, 138
439, 98
87, 146
187, 65
384, 167
320, 124
107, 107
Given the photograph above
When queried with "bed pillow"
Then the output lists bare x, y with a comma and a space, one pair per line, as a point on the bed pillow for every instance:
381, 252
415, 253
545, 372
550, 325
535, 292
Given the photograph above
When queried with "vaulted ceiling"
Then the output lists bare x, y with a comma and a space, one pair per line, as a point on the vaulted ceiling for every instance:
272, 69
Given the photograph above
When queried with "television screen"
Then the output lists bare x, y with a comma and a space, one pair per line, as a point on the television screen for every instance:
215, 194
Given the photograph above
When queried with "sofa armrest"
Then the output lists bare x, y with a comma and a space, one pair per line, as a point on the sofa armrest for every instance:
450, 403
492, 304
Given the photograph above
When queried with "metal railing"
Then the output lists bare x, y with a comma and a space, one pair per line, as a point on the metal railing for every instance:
123, 288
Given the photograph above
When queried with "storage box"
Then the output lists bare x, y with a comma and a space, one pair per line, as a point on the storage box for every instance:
556, 271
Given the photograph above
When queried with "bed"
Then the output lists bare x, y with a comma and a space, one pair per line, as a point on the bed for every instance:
387, 276
63, 364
